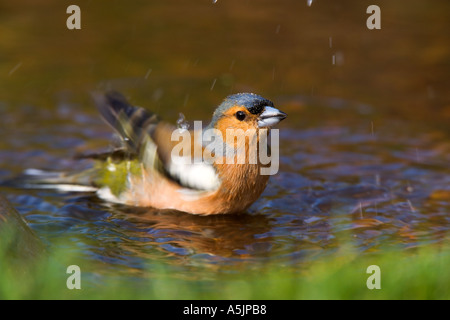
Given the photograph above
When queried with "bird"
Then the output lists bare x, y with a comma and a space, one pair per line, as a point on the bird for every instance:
214, 175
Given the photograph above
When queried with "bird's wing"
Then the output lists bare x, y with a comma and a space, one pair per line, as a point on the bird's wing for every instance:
150, 140
131, 123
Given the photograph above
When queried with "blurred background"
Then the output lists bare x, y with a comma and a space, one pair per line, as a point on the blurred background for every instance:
174, 55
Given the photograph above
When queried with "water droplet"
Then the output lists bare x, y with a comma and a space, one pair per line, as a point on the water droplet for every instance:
182, 123
213, 84
17, 66
147, 74
232, 64
277, 30
377, 180
338, 58
186, 99
413, 209
431, 93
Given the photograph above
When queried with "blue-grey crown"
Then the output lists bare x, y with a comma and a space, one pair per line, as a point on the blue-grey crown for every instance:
254, 103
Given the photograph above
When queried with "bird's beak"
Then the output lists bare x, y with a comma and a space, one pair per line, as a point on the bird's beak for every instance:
270, 117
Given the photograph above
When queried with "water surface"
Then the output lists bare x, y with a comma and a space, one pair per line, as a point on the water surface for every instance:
365, 151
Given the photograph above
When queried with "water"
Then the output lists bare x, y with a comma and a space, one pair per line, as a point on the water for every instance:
365, 150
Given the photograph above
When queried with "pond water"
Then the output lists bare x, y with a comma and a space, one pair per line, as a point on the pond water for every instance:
365, 151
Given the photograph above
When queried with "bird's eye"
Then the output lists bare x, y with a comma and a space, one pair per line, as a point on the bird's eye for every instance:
240, 115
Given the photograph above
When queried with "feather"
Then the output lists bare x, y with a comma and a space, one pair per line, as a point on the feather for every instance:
146, 137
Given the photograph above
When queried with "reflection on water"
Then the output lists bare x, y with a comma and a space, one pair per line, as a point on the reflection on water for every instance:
368, 166
184, 234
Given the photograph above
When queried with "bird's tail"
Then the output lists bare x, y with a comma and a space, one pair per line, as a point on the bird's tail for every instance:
61, 181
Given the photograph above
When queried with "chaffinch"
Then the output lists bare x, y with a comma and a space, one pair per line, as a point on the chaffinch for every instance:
205, 173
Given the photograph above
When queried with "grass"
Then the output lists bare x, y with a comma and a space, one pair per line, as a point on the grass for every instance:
422, 274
